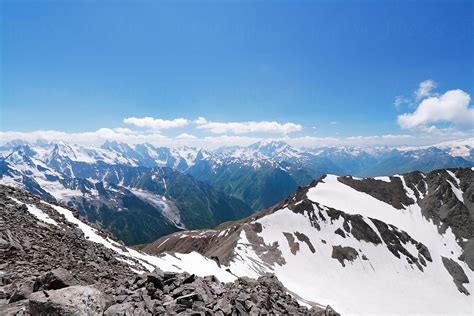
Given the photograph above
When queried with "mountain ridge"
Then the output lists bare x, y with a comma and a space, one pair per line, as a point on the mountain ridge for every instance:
254, 177
223, 168
358, 230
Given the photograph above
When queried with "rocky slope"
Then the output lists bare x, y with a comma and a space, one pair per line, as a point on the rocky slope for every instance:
54, 263
401, 244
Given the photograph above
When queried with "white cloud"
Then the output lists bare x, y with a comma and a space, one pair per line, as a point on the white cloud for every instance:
125, 130
155, 123
94, 137
425, 89
453, 107
399, 100
186, 136
373, 140
200, 120
211, 142
247, 127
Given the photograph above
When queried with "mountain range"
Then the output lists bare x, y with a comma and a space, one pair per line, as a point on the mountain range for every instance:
400, 244
138, 204
142, 192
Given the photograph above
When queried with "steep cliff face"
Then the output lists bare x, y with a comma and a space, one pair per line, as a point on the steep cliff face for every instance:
402, 243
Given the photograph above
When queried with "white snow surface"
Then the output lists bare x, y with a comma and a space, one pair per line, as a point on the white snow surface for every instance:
458, 182
410, 290
36, 212
168, 209
384, 179
458, 148
457, 192
381, 285
192, 262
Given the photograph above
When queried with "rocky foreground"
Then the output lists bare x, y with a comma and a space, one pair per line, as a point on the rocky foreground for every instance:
49, 267
58, 293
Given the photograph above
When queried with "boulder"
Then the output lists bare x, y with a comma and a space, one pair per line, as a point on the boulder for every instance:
54, 280
76, 300
126, 308
22, 291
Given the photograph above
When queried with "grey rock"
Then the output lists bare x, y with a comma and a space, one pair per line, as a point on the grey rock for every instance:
468, 254
77, 300
458, 274
344, 253
126, 308
22, 291
54, 280
156, 279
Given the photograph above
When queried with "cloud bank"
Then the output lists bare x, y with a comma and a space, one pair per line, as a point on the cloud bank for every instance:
211, 142
247, 127
156, 123
452, 107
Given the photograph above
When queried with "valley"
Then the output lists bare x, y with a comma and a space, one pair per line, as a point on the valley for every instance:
142, 192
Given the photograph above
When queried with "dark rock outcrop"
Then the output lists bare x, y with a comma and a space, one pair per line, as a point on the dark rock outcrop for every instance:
391, 192
468, 254
458, 274
344, 253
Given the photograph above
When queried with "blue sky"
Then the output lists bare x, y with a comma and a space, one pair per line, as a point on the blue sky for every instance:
332, 68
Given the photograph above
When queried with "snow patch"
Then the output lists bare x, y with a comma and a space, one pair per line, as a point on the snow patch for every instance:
168, 209
36, 212
384, 179
192, 262
457, 192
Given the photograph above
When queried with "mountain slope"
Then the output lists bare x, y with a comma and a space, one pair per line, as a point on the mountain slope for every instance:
259, 187
407, 238
54, 263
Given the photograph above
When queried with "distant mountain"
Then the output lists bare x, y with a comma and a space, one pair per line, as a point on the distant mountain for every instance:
267, 171
388, 245
137, 204
258, 187
260, 175
425, 160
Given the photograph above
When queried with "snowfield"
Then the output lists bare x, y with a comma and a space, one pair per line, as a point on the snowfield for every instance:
381, 285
